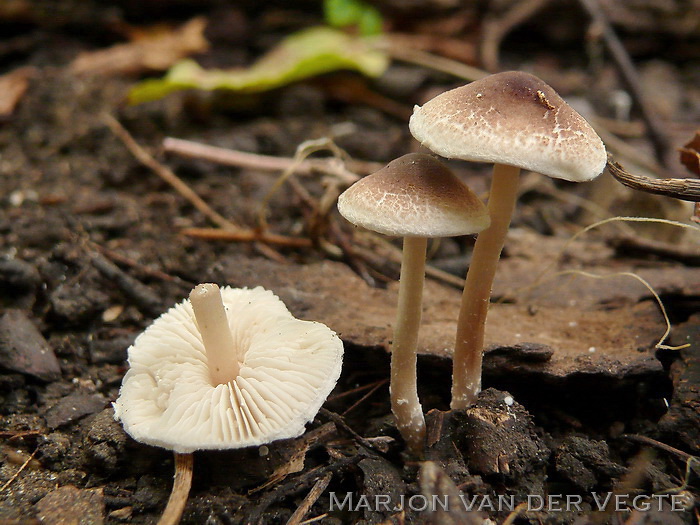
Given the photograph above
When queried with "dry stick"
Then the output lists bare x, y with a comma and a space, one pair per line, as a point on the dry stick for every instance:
683, 189
431, 61
241, 159
496, 30
366, 396
181, 490
631, 80
166, 174
310, 499
658, 444
19, 470
217, 234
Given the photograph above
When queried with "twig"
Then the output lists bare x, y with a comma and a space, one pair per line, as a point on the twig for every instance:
166, 174
495, 30
241, 159
399, 51
683, 189
341, 423
657, 444
181, 490
364, 397
246, 235
298, 483
631, 79
310, 499
141, 268
146, 301
19, 471
351, 391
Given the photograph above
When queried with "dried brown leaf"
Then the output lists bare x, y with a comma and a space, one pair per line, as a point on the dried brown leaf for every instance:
154, 50
690, 154
13, 86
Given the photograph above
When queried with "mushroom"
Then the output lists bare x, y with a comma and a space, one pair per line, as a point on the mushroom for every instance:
415, 197
514, 120
224, 369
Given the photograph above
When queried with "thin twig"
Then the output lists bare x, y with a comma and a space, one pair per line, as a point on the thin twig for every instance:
143, 297
19, 471
246, 235
658, 444
241, 159
341, 423
181, 490
141, 268
399, 51
683, 189
364, 397
310, 499
631, 79
166, 174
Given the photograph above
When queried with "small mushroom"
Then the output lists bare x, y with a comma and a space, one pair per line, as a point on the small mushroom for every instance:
415, 197
514, 120
224, 369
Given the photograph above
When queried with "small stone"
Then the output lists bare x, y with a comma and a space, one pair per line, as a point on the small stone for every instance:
72, 407
23, 349
123, 514
72, 506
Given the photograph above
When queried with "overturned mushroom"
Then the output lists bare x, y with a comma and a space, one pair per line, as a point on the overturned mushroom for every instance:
514, 120
415, 197
226, 369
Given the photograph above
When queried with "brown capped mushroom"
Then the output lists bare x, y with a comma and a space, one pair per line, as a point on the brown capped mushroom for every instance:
415, 197
514, 120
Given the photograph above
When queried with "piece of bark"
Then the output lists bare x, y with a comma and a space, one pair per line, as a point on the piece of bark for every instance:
612, 342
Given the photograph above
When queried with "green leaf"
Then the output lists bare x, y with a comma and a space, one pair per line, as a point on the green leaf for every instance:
302, 55
344, 13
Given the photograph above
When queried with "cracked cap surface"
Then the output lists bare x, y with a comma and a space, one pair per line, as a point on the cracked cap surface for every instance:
414, 196
511, 118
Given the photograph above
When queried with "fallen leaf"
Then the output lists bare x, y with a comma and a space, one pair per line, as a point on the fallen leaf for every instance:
13, 86
148, 51
690, 154
302, 55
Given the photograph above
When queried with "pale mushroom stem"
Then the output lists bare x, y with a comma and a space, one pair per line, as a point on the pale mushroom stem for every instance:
222, 354
404, 395
181, 490
469, 344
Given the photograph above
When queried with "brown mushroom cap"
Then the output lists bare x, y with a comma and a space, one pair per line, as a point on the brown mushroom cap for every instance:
511, 118
414, 196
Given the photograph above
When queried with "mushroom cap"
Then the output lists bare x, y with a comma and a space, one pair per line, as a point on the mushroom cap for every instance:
290, 367
414, 196
511, 118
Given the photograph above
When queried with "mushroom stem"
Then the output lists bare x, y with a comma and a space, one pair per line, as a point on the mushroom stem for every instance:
469, 344
181, 490
222, 354
403, 387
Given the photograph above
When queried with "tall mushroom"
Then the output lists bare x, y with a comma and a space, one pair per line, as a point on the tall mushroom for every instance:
226, 368
415, 197
514, 120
